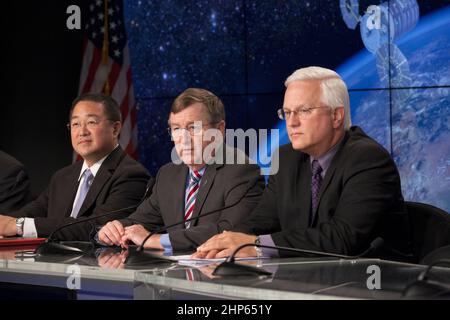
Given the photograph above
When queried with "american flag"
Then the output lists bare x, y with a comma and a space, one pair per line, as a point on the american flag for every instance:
106, 63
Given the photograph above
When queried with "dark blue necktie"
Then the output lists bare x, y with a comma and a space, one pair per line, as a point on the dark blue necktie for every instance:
316, 182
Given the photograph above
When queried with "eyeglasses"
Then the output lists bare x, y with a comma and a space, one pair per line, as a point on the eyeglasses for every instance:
302, 113
90, 123
193, 129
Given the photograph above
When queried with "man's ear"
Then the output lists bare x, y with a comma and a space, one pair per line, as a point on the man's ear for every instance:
117, 126
338, 117
221, 126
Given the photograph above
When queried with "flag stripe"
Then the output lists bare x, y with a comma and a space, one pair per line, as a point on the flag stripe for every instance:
95, 62
117, 70
88, 49
101, 76
121, 87
113, 76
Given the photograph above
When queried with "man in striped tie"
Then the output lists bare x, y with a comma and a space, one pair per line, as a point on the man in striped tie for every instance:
201, 182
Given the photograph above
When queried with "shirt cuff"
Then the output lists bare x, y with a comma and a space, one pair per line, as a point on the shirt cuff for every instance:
97, 240
29, 228
267, 240
164, 240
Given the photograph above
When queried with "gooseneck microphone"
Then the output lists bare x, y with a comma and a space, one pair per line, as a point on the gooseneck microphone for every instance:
141, 256
51, 247
424, 287
230, 268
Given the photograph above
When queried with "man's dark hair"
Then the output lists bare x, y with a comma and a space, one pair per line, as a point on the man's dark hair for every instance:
213, 104
110, 106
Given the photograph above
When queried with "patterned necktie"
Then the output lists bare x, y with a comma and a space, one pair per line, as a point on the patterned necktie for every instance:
190, 274
84, 188
316, 182
192, 191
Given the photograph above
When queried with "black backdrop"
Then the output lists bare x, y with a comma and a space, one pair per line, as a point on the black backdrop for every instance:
39, 61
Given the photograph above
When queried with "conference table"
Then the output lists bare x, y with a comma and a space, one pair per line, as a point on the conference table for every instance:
100, 273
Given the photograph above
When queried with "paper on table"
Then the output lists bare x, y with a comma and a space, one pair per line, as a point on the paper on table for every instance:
186, 260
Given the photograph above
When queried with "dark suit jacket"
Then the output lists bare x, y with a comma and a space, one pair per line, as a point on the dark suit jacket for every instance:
221, 185
360, 199
119, 183
14, 184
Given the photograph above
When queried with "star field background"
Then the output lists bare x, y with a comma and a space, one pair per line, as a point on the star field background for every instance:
244, 50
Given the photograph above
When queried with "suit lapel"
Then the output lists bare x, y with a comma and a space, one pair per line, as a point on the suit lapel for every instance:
205, 186
103, 175
179, 192
304, 192
330, 173
71, 181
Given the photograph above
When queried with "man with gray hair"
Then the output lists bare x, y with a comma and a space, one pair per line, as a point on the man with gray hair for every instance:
336, 189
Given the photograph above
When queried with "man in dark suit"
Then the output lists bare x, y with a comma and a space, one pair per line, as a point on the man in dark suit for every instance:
106, 180
336, 189
14, 184
197, 184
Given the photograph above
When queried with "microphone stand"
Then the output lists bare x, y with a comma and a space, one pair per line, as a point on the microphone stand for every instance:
51, 247
230, 268
140, 255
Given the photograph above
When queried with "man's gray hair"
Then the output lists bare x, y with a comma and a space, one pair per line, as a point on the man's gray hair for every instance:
334, 91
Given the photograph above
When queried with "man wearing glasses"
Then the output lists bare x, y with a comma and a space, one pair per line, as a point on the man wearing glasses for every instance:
201, 182
105, 180
336, 189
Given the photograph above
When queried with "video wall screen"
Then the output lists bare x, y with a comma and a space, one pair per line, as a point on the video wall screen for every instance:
394, 56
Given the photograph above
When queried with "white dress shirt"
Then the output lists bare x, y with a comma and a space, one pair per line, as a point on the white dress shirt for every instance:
29, 227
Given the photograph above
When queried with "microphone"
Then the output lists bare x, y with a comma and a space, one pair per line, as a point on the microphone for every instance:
50, 247
141, 256
230, 268
424, 287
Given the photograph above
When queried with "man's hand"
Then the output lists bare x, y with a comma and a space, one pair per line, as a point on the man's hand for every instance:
7, 226
223, 245
112, 259
205, 255
112, 233
137, 233
208, 271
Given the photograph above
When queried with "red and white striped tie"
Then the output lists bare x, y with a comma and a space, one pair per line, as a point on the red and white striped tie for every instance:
192, 191
190, 275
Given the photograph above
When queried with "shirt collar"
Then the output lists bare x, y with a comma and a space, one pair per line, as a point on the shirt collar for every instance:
95, 167
325, 159
201, 171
